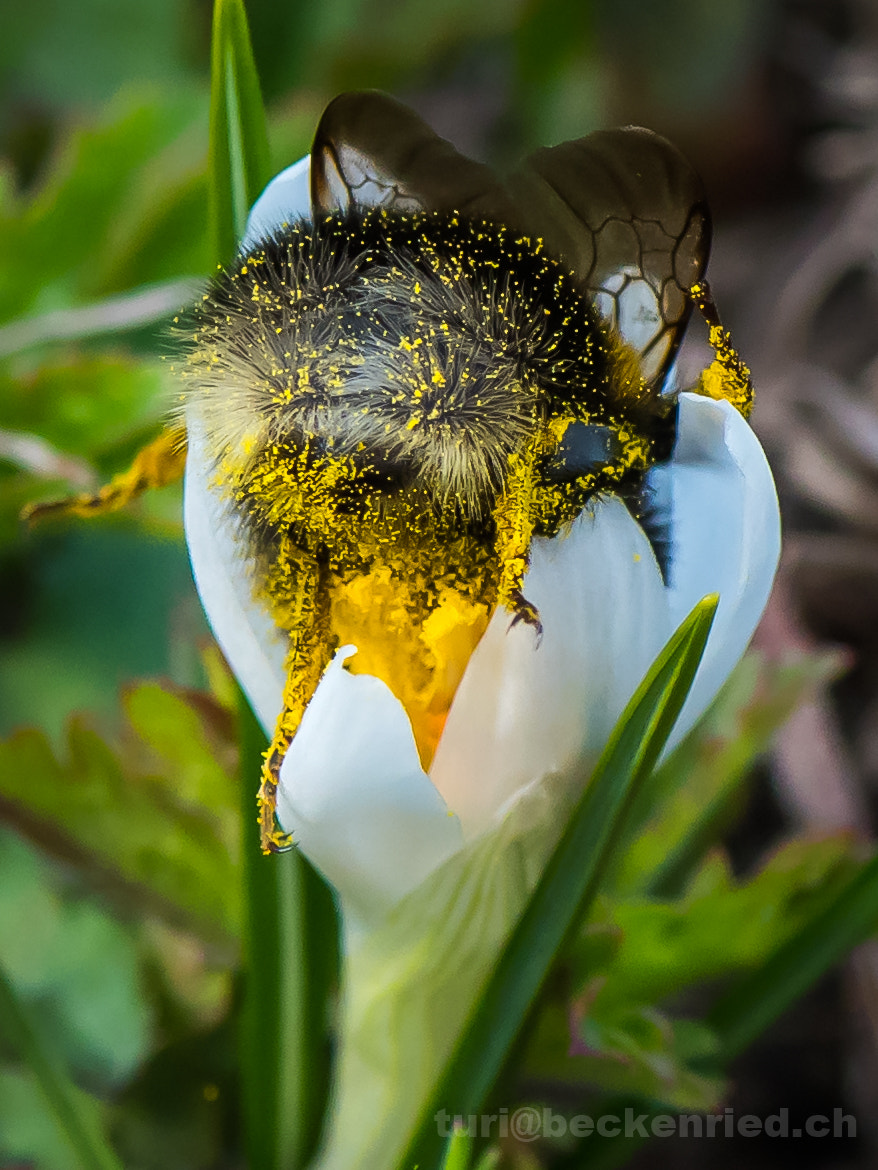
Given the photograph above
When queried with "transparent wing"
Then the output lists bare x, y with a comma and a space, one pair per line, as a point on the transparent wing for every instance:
622, 208
627, 213
372, 151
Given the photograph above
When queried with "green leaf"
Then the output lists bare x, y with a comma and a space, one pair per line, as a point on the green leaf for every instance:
641, 1052
239, 156
94, 1005
290, 971
67, 1107
135, 820
290, 923
459, 1150
127, 313
185, 750
568, 885
722, 927
748, 1008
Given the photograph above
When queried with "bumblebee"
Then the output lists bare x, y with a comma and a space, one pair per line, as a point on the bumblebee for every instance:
399, 393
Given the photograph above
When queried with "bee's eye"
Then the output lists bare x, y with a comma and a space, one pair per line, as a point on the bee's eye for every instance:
584, 448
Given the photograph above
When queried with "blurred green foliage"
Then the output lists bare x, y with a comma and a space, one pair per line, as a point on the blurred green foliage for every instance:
79, 964
157, 816
83, 405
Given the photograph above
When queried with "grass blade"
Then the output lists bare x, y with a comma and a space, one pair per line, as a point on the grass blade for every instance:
239, 157
290, 968
458, 1152
565, 890
91, 1148
290, 925
748, 1008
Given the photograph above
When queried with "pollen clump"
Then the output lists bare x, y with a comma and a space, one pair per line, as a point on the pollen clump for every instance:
727, 377
423, 662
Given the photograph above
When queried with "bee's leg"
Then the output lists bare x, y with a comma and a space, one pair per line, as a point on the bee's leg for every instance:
726, 377
311, 646
159, 463
514, 520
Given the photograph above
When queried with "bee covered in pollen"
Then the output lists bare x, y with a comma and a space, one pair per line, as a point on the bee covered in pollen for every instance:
398, 394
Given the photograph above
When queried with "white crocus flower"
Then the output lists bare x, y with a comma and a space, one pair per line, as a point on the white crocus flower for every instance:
352, 790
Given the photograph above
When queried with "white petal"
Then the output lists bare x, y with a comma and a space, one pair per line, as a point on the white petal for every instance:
522, 710
253, 646
352, 788
286, 198
354, 795
725, 535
